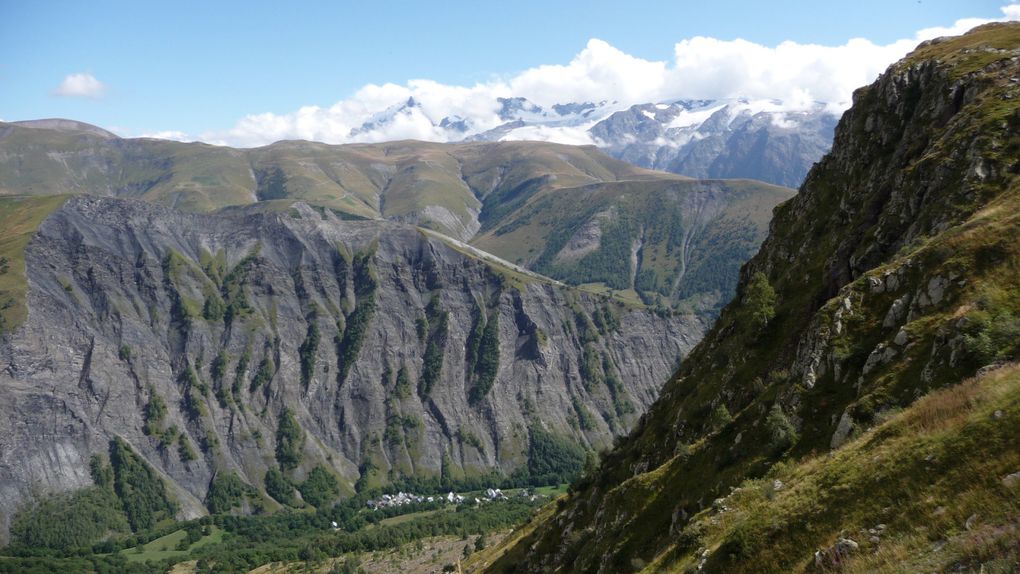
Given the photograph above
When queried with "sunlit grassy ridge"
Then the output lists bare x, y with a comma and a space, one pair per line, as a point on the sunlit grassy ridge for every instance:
930, 489
394, 180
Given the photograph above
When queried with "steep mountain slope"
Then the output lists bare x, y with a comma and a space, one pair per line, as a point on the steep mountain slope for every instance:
895, 275
662, 237
228, 345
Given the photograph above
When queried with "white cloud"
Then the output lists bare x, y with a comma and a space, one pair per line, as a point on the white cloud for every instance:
167, 135
82, 85
599, 72
702, 67
563, 135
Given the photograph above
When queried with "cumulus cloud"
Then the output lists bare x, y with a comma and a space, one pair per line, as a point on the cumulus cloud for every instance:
599, 72
800, 75
82, 85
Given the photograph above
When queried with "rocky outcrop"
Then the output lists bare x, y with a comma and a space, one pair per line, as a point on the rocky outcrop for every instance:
372, 334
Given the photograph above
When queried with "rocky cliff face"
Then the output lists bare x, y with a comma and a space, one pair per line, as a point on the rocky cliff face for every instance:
397, 353
894, 277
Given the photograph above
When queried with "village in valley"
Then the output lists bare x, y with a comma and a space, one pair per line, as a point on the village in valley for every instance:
405, 498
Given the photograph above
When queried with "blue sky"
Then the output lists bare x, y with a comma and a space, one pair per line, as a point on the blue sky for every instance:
200, 67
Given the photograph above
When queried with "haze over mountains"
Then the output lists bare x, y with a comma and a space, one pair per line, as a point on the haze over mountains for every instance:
719, 139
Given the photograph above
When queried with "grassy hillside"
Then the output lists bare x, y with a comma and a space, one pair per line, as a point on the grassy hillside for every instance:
893, 275
676, 243
193, 177
933, 488
570, 212
394, 180
19, 218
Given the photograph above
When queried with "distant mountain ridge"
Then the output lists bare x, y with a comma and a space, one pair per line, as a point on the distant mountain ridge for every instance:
60, 124
761, 139
714, 138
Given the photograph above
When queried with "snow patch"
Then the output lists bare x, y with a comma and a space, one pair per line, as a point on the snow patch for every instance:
691, 118
784, 121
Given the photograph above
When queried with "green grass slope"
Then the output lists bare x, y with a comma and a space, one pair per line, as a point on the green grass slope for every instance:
393, 180
931, 489
19, 218
893, 274
675, 243
192, 177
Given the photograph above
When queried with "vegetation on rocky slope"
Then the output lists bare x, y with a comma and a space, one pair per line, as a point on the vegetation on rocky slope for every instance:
895, 271
932, 488
677, 243
90, 534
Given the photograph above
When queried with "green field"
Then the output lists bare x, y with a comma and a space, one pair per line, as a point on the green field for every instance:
166, 546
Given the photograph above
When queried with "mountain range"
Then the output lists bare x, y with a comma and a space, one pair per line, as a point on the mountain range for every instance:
727, 138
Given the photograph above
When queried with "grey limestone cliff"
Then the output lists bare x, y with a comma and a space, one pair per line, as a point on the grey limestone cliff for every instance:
394, 350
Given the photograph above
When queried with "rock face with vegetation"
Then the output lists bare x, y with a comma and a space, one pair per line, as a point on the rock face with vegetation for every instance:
856, 407
572, 213
228, 357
